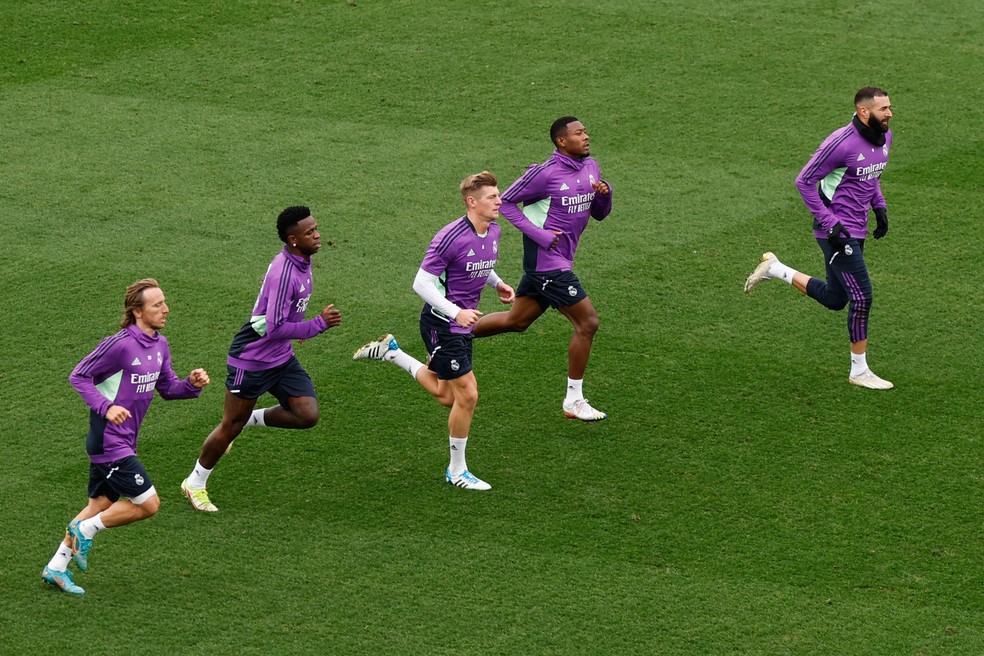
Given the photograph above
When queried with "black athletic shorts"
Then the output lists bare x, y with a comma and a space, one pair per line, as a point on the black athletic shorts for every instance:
123, 478
283, 382
552, 288
449, 354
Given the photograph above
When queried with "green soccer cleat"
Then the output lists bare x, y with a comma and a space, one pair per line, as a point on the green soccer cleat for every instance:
61, 580
198, 498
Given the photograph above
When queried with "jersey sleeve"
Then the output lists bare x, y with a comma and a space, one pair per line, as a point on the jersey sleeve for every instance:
99, 364
826, 158
530, 188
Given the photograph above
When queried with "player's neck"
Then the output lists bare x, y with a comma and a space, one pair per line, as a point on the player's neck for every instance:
481, 225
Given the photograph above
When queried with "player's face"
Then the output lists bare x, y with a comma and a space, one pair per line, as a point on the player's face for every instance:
305, 237
153, 314
876, 113
487, 202
575, 141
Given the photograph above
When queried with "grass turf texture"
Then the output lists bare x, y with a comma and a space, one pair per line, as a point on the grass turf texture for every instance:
741, 499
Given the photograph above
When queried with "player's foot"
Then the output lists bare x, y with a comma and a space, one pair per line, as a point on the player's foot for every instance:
62, 580
582, 410
80, 545
867, 378
198, 498
761, 272
467, 480
377, 349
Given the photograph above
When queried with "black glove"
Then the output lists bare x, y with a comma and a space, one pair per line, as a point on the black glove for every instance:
835, 238
881, 217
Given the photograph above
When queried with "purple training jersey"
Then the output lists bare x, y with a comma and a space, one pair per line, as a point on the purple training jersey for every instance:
556, 195
278, 316
462, 260
125, 370
847, 167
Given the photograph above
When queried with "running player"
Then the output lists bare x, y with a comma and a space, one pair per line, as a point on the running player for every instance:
459, 262
261, 357
558, 198
117, 381
839, 184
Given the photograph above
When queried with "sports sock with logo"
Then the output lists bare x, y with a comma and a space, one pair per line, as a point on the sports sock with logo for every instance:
859, 363
89, 527
404, 361
59, 562
198, 478
257, 418
574, 392
782, 272
457, 465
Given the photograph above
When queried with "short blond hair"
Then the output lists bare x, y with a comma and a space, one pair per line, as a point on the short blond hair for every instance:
134, 299
476, 181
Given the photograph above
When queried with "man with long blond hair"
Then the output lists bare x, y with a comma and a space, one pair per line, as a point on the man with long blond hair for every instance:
117, 381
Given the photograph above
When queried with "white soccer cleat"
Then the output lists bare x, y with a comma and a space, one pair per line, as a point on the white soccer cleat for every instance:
582, 410
377, 349
467, 480
867, 378
761, 272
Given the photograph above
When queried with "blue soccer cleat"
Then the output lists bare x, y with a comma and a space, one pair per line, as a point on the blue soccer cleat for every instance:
61, 580
80, 546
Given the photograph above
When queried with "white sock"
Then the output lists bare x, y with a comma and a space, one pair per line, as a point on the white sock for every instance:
457, 465
198, 478
859, 363
574, 390
89, 527
404, 361
782, 272
59, 562
256, 418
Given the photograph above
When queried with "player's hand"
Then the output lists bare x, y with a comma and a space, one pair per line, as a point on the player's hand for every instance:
506, 293
117, 414
601, 187
331, 316
837, 237
556, 239
881, 218
466, 318
199, 378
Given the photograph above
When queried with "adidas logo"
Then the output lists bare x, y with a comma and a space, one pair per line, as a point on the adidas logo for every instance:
135, 362
471, 251
564, 187
860, 157
302, 287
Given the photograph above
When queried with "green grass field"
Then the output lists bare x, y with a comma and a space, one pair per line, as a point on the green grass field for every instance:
742, 498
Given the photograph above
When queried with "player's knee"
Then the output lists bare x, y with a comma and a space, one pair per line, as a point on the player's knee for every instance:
150, 506
309, 417
590, 326
467, 399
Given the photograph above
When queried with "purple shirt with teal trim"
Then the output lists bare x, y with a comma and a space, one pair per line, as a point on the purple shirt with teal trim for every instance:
125, 370
278, 316
462, 260
556, 195
846, 168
